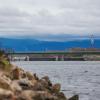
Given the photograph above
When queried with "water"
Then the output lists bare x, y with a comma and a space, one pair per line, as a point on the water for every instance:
79, 77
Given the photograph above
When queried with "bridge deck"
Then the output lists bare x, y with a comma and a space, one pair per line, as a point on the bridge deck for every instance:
80, 52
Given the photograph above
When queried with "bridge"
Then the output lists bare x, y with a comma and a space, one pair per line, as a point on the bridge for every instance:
52, 56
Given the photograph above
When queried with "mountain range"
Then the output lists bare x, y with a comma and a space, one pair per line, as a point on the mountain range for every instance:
31, 44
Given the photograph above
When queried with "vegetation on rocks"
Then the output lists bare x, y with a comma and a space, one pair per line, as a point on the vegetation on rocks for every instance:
17, 84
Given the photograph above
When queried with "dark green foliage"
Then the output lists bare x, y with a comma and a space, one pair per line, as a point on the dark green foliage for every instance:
2, 52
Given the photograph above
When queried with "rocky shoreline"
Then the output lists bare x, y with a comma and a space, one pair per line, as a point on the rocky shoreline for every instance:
17, 84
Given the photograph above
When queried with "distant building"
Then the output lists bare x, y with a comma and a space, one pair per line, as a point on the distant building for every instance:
83, 49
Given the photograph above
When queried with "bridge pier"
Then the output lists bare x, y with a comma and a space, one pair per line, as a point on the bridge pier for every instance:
62, 58
27, 58
56, 58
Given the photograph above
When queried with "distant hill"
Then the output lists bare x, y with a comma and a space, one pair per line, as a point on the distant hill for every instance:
29, 45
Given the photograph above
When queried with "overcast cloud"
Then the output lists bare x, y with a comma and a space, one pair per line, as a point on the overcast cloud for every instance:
49, 17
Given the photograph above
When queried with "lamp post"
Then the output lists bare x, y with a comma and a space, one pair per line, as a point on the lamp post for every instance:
92, 41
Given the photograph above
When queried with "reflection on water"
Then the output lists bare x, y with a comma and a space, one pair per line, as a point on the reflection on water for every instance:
81, 78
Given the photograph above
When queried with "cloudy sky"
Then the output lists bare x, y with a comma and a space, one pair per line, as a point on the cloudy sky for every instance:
41, 18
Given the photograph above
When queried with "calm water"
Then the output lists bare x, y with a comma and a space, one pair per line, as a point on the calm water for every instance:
81, 78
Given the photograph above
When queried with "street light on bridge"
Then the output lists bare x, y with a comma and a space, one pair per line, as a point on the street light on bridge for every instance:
92, 41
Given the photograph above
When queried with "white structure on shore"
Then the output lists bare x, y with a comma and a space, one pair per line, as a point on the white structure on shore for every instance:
19, 58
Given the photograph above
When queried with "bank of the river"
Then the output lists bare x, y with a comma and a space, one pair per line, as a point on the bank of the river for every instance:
75, 77
18, 84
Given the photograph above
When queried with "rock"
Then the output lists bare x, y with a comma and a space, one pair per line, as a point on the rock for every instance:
75, 97
35, 76
33, 82
44, 83
16, 73
22, 73
30, 76
38, 87
5, 83
46, 78
61, 96
15, 87
25, 84
37, 95
25, 95
43, 95
85, 71
6, 95
56, 88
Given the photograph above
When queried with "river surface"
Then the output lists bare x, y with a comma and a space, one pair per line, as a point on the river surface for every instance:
81, 77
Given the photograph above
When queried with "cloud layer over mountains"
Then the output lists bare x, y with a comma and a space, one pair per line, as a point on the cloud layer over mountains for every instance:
46, 17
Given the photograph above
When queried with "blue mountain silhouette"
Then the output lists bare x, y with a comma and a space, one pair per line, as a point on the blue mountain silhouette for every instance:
29, 45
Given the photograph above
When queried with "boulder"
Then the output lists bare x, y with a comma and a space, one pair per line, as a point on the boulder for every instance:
38, 87
46, 78
56, 88
15, 87
44, 83
5, 82
35, 76
43, 95
16, 73
6, 94
25, 95
37, 95
25, 84
30, 76
61, 96
75, 97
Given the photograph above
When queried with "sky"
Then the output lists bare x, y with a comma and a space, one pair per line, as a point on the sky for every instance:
54, 18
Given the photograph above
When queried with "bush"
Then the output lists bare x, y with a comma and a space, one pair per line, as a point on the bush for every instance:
5, 65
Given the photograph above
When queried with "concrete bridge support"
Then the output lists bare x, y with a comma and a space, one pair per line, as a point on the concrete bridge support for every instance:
62, 58
56, 58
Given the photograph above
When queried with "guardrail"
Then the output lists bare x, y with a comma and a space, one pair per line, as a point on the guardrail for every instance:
68, 52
